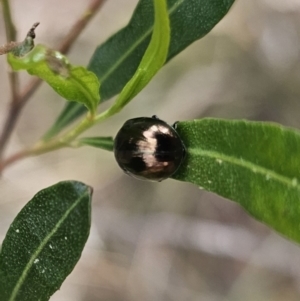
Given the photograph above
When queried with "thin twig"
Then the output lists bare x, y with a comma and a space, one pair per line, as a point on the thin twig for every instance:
24, 96
11, 33
15, 157
42, 147
77, 28
11, 36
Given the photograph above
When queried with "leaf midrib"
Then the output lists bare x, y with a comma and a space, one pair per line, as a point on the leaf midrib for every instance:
41, 247
255, 168
135, 45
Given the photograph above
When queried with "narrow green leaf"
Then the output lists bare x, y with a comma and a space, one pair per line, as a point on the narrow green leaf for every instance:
253, 163
44, 242
74, 83
116, 60
106, 143
153, 59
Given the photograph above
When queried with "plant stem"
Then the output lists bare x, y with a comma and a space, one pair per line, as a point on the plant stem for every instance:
11, 35
25, 95
77, 28
65, 140
10, 28
56, 143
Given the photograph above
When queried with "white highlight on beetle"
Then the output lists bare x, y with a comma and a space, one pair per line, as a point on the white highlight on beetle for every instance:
36, 260
149, 146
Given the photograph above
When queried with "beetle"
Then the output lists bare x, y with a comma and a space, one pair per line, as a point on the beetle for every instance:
149, 148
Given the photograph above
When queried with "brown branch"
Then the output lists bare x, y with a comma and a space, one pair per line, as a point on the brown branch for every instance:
11, 35
77, 28
14, 158
24, 96
14, 84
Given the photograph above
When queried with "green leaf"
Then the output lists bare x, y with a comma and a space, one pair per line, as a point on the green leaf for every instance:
106, 143
153, 59
255, 164
115, 61
74, 83
44, 242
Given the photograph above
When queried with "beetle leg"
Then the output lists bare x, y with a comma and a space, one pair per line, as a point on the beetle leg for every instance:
174, 126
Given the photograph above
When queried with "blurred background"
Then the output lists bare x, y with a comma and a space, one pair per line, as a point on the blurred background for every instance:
170, 240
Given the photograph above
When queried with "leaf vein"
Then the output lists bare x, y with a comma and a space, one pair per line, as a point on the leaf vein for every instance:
255, 168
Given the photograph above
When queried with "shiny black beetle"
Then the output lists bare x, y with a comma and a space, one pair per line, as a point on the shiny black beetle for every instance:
148, 148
